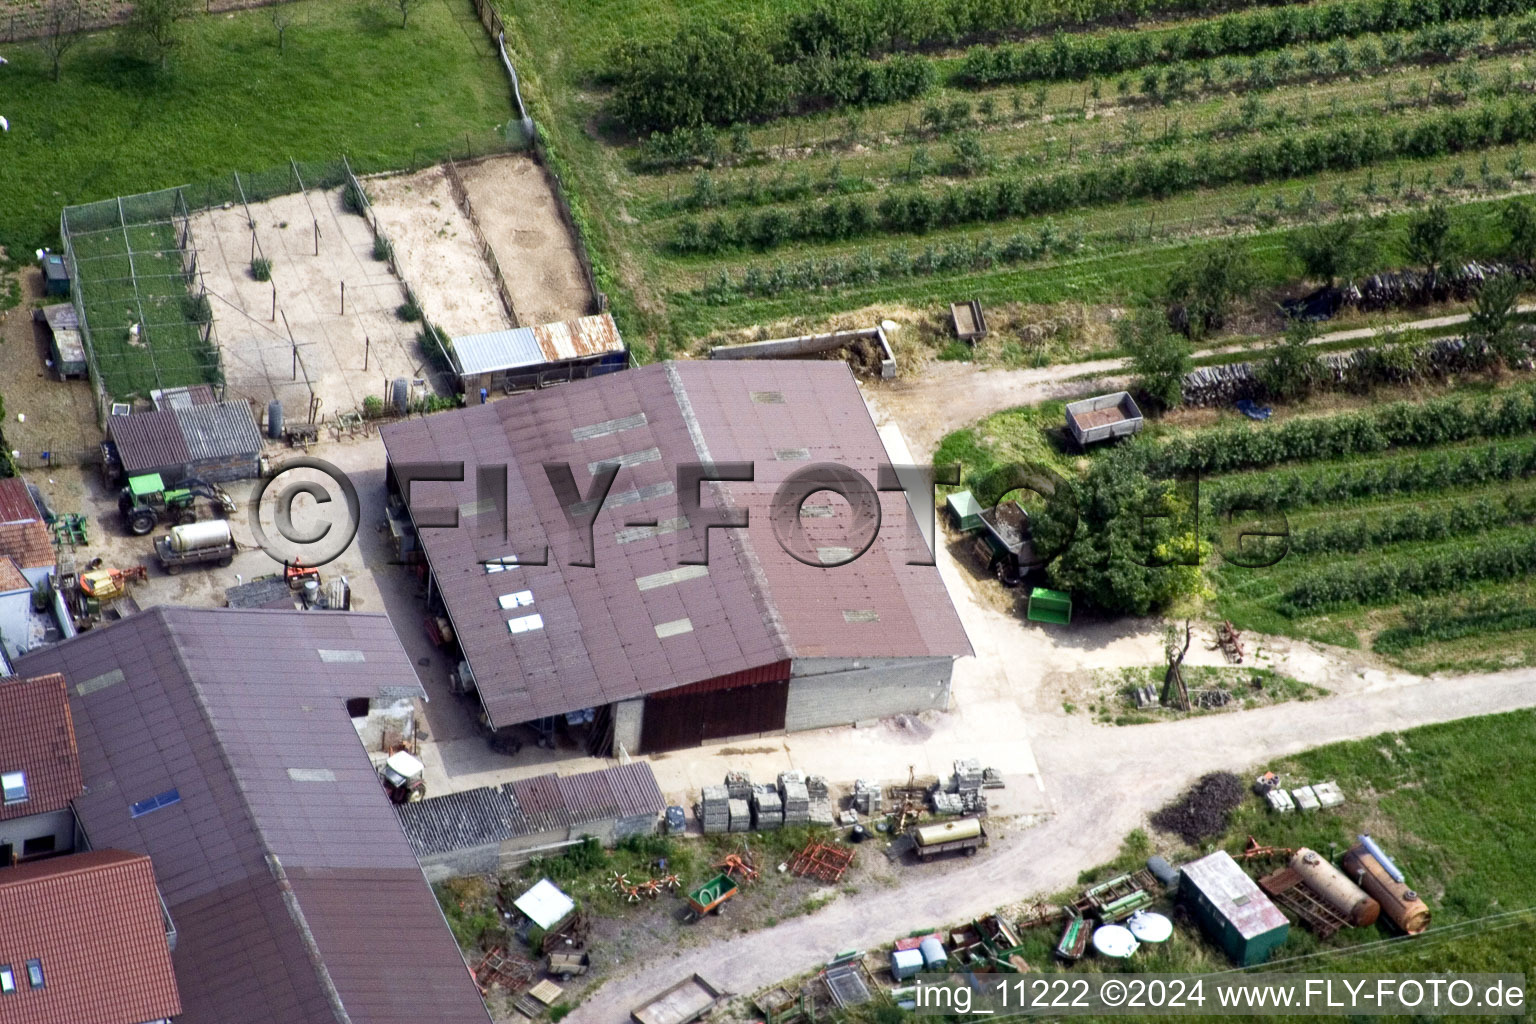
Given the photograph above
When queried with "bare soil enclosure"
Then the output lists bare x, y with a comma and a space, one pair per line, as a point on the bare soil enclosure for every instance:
334, 341
517, 211
436, 250
60, 415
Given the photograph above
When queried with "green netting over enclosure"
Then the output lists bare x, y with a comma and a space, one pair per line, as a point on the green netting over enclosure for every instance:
144, 316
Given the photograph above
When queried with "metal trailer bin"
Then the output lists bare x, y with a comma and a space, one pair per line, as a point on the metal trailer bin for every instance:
1103, 417
964, 511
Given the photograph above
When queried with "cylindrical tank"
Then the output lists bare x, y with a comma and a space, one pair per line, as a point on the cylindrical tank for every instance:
211, 533
965, 828
400, 396
311, 592
275, 420
1381, 858
1334, 888
1400, 903
933, 953
1165, 873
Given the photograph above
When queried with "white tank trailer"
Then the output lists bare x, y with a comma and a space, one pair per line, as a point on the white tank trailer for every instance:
1334, 888
195, 543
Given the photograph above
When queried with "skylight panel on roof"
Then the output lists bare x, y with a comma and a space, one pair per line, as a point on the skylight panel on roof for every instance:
525, 624
154, 803
792, 454
7, 979
35, 973
768, 397
100, 682
639, 458
674, 628
851, 615
630, 534
501, 564
518, 599
13, 787
681, 574
607, 427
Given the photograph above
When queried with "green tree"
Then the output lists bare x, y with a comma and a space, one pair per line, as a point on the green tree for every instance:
153, 27
1429, 238
1127, 542
1207, 284
1159, 357
62, 21
1340, 249
1492, 320
405, 7
1290, 369
1520, 221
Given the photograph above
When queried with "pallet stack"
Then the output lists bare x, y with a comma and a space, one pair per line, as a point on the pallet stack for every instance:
715, 809
968, 776
867, 797
739, 785
740, 814
767, 808
797, 799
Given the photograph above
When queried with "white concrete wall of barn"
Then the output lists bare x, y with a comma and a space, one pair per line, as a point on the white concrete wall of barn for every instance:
826, 692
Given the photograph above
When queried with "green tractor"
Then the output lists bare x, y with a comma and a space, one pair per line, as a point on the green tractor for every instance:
146, 502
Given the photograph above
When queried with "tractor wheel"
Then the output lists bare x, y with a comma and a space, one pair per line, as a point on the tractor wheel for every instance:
226, 561
141, 522
186, 517
417, 796
173, 570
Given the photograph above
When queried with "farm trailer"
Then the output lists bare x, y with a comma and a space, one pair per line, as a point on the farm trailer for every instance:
1103, 418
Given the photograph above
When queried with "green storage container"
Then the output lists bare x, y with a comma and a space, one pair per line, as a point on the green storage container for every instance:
1050, 606
964, 511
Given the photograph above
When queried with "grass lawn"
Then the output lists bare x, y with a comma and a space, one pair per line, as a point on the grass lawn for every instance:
350, 80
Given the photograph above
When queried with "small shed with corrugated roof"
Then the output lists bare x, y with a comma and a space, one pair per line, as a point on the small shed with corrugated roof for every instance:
533, 357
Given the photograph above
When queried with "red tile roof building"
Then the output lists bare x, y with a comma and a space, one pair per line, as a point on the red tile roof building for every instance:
23, 535
83, 941
39, 743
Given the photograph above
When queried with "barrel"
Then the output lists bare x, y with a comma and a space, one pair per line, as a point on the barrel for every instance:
1400, 903
275, 420
1334, 888
212, 533
400, 396
933, 953
1166, 874
950, 831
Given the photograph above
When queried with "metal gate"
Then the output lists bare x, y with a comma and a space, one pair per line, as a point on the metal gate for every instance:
679, 720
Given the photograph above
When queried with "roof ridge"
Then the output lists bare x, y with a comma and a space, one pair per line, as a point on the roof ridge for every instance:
762, 594
269, 854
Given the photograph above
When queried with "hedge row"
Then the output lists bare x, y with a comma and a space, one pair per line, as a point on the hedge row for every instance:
1081, 56
963, 255
1399, 425
1388, 581
1292, 155
1281, 491
1439, 621
1415, 524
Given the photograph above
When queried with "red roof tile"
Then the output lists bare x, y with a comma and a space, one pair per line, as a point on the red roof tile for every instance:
94, 921
40, 741
10, 576
28, 543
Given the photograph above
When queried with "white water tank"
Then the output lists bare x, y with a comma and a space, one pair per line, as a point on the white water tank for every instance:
212, 533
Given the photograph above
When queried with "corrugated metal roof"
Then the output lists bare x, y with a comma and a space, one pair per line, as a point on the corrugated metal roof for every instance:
39, 740
531, 346
756, 605
16, 504
164, 438
218, 431
577, 339
175, 398
94, 921
1234, 894
214, 706
494, 814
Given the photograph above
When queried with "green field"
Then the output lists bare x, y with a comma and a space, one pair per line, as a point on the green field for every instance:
755, 226
350, 80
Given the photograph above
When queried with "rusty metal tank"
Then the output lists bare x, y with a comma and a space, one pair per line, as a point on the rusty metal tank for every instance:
1400, 903
1334, 888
